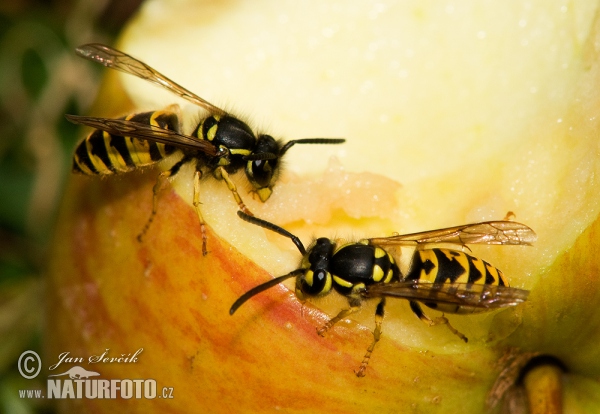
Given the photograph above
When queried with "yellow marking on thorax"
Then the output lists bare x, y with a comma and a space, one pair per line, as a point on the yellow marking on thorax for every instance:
240, 151
341, 282
212, 132
379, 253
377, 273
359, 287
389, 275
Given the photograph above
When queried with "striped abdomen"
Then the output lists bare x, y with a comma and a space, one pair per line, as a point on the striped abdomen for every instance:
451, 266
103, 153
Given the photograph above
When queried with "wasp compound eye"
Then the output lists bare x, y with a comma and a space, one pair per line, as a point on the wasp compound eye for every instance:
315, 283
262, 168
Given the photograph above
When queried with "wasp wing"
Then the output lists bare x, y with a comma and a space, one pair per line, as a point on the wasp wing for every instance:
487, 232
115, 59
462, 294
122, 127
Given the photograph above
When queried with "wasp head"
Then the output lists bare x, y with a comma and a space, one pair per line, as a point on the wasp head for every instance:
262, 166
316, 279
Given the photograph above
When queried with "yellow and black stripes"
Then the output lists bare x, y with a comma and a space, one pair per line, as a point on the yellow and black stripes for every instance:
445, 266
452, 266
105, 153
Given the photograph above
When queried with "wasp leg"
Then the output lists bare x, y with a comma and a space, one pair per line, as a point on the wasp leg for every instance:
223, 174
442, 320
354, 307
379, 312
165, 174
197, 203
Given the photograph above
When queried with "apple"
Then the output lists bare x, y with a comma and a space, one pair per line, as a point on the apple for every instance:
453, 113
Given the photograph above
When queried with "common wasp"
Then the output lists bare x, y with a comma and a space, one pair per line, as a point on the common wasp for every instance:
445, 279
220, 144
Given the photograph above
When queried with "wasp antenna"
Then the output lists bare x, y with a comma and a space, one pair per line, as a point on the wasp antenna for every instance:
289, 144
273, 227
263, 156
261, 288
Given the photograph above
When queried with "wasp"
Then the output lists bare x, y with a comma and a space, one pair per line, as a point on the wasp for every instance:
220, 144
445, 279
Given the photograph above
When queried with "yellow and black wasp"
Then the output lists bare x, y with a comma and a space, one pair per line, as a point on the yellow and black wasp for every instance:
221, 143
444, 279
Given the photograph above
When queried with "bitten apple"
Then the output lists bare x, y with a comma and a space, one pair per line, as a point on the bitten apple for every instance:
453, 113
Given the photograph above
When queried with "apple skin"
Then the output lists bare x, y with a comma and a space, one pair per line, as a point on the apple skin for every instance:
109, 291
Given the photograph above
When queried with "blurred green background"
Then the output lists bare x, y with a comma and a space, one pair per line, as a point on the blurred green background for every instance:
41, 79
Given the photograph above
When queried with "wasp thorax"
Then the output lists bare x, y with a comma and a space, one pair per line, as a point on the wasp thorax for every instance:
262, 173
229, 132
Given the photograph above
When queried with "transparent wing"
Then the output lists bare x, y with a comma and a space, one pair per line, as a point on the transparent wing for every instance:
122, 127
462, 294
487, 232
115, 59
